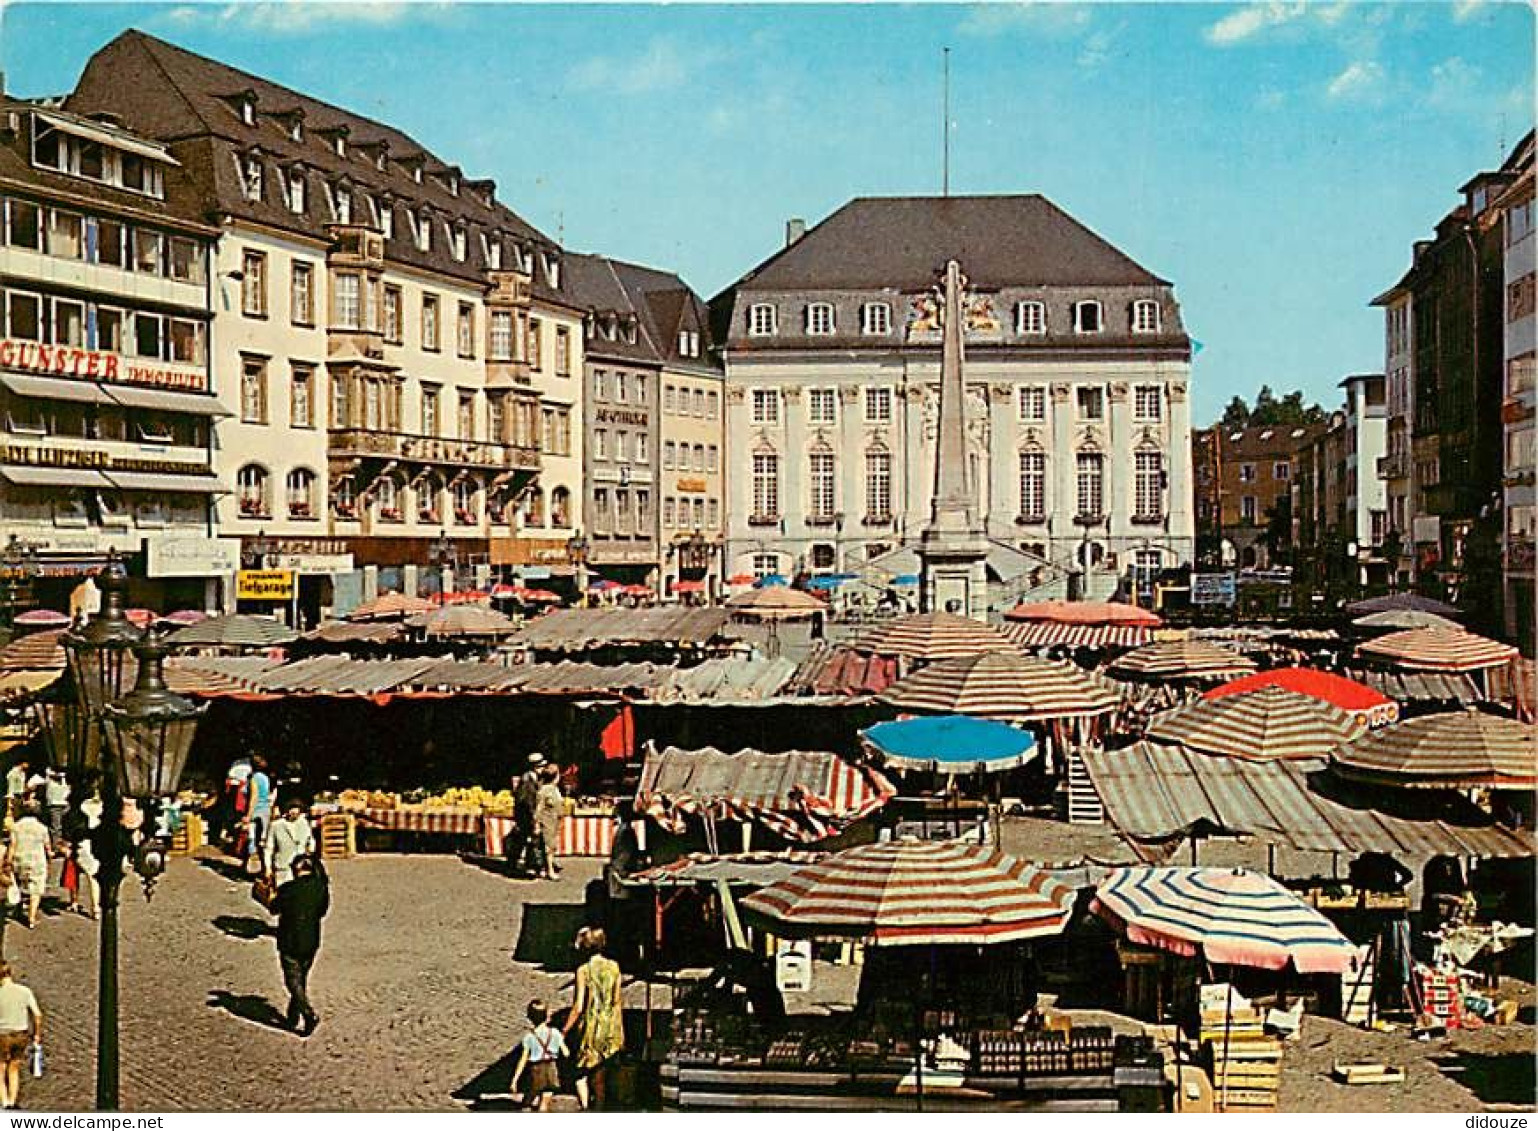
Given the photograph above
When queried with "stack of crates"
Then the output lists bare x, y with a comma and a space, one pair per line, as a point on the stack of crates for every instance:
188, 836
1441, 995
1246, 1062
338, 836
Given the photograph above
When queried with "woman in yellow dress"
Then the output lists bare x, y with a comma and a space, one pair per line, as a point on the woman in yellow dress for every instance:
599, 1010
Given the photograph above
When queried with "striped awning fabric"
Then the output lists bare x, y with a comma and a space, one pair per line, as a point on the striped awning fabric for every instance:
1436, 649
915, 893
1049, 634
1266, 724
1391, 619
1003, 685
35, 651
777, 602
1457, 749
388, 605
801, 795
463, 620
934, 636
1230, 917
235, 630
1183, 659
1085, 613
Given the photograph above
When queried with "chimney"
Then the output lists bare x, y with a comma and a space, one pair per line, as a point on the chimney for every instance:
794, 229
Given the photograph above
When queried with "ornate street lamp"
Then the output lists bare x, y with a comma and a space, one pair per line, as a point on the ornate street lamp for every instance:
444, 555
18, 566
576, 550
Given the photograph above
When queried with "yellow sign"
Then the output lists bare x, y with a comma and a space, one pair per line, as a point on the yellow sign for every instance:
264, 584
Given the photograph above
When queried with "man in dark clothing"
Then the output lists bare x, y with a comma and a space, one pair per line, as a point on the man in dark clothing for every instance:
528, 855
302, 904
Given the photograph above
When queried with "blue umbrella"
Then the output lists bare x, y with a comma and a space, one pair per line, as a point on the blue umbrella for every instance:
829, 580
770, 579
906, 579
952, 744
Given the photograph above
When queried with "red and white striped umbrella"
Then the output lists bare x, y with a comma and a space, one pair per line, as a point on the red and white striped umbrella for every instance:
1002, 685
1085, 613
934, 636
1183, 659
1232, 918
1050, 634
388, 605
914, 893
1438, 649
1268, 724
1455, 749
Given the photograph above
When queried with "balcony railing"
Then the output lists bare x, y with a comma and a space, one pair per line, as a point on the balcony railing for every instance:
1393, 467
432, 449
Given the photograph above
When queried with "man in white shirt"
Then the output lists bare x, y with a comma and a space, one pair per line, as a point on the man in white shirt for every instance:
288, 838
21, 1024
56, 802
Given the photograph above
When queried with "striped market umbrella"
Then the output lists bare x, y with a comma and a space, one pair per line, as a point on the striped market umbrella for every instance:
916, 893
234, 630
1394, 619
777, 602
1438, 650
388, 605
42, 618
1400, 601
1183, 659
950, 744
464, 620
1452, 750
1003, 685
37, 651
1231, 918
1085, 612
184, 617
1350, 696
933, 636
1269, 724
1050, 634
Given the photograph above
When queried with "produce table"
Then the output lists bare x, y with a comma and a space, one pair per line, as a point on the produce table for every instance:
581, 834
448, 822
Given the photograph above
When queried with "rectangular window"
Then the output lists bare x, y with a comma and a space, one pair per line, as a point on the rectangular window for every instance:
601, 518
601, 443
1246, 473
24, 226
712, 458
68, 323
622, 445
878, 405
66, 235
24, 316
668, 505
643, 511
766, 406
109, 330
715, 513
186, 341
620, 385
1086, 317
1281, 470
108, 244
714, 411
622, 514
562, 352
149, 335
296, 201
670, 399
1033, 402
496, 418
501, 341
1091, 485
1148, 486
301, 295
429, 322
876, 318
429, 410
669, 455
253, 390
821, 469
642, 447
148, 258
253, 283
1033, 486
761, 320
1248, 510
878, 486
765, 564
1147, 402
185, 260
766, 487
819, 318
467, 416
1091, 403
1145, 317
466, 330
1031, 318
536, 344
349, 312
341, 402
301, 398
822, 406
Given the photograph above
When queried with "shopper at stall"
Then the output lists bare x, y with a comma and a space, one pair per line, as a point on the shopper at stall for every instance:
598, 1011
525, 800
30, 843
16, 786
288, 838
21, 1026
259, 814
301, 905
549, 807
540, 1051
56, 804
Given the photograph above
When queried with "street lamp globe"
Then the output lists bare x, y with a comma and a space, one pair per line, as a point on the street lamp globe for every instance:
98, 650
150, 730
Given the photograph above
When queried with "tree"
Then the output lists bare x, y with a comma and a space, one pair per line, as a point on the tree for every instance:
1269, 412
1236, 415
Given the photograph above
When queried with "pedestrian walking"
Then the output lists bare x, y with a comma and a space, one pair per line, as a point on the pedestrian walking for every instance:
301, 905
56, 804
288, 838
525, 800
598, 1011
16, 787
549, 808
259, 813
81, 866
29, 856
540, 1052
21, 1027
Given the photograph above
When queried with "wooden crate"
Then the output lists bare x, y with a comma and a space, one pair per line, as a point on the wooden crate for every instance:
189, 836
338, 836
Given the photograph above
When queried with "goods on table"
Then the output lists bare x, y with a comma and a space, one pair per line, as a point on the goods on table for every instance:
1440, 993
476, 799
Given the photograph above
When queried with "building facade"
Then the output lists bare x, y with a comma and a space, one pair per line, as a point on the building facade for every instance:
1076, 369
106, 381
1520, 453
1244, 492
396, 350
1397, 468
1339, 500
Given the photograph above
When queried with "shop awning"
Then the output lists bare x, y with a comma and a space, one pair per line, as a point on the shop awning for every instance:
166, 400
148, 481
57, 477
56, 388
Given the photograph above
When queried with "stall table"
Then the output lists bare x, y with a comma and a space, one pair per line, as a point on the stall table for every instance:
583, 833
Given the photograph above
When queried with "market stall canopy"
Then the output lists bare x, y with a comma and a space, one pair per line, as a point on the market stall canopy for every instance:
916, 893
233, 630
1412, 602
1456, 749
950, 744
1350, 696
1003, 685
1156, 796
185, 616
1031, 635
1422, 687
776, 602
1267, 724
745, 869
37, 651
23, 683
1434, 649
463, 620
933, 636
578, 630
802, 795
834, 669
388, 605
42, 618
1232, 917
1182, 659
1085, 612
1390, 620
356, 632
524, 595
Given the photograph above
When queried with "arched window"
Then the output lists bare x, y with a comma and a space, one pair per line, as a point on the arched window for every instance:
819, 318
251, 490
466, 512
560, 507
534, 508
430, 499
387, 500
344, 498
299, 491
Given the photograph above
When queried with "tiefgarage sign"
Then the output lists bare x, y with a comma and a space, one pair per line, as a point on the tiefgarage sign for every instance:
264, 585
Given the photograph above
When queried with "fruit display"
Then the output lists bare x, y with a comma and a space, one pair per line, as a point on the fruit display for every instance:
474, 799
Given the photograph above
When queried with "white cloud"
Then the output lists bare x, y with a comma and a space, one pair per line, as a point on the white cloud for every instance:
1058, 19
1098, 47
1466, 10
1454, 82
296, 17
662, 65
1361, 79
1251, 20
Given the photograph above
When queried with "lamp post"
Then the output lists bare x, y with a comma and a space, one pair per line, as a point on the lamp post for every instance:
18, 566
576, 550
139, 743
445, 559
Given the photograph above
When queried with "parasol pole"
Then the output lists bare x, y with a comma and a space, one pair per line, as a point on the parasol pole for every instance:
1228, 1023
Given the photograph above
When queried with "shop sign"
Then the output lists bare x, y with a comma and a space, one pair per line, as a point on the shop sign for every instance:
1427, 528
619, 416
67, 361
529, 551
264, 585
313, 563
29, 455
1213, 589
692, 483
191, 556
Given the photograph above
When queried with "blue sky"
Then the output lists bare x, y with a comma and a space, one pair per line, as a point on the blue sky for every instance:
1274, 160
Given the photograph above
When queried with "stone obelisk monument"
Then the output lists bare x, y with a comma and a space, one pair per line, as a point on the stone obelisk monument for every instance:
953, 548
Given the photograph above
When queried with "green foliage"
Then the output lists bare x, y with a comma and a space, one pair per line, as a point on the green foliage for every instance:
1269, 412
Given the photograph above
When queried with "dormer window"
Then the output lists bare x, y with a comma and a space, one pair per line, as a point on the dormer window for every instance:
424, 232
761, 319
494, 254
552, 272
296, 128
1086, 317
631, 331
340, 144
251, 176
1145, 317
416, 173
248, 110
876, 318
688, 343
1030, 318
453, 185
343, 200
459, 243
819, 318
296, 191
387, 219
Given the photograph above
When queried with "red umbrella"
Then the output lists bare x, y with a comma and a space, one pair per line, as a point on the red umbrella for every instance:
141, 618
1347, 694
